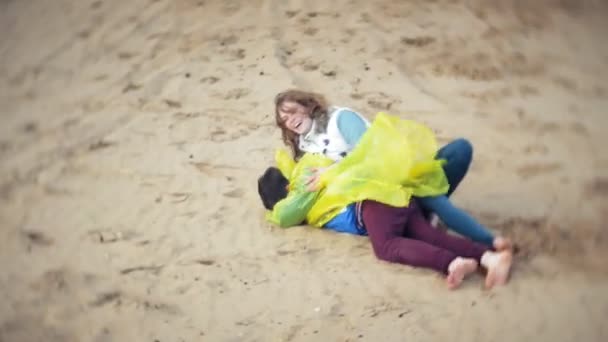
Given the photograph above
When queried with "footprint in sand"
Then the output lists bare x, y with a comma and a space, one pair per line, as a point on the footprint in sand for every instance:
236, 193
172, 103
329, 73
210, 79
597, 188
100, 145
303, 21
218, 134
291, 14
365, 18
235, 94
293, 332
237, 54
356, 96
32, 327
228, 40
307, 64
96, 4
536, 149
214, 169
62, 280
527, 90
194, 126
377, 100
285, 252
468, 70
117, 298
311, 31
36, 238
417, 41
565, 83
492, 95
131, 87
152, 269
93, 106
126, 55
537, 169
30, 127
179, 197
83, 34
599, 91
518, 64
179, 116
579, 129
204, 262
230, 7
548, 127
105, 236
100, 78
219, 215
5, 145
284, 51
105, 298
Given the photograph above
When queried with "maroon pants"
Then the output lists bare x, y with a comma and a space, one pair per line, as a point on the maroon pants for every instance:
404, 236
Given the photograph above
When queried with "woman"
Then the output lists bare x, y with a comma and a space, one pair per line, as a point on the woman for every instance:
309, 124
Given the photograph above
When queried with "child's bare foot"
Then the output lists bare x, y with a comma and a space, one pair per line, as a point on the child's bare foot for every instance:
498, 265
502, 244
458, 269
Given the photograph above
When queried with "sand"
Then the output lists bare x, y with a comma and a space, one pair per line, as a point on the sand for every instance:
132, 134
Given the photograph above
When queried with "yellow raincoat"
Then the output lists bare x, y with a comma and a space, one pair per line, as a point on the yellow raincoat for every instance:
393, 161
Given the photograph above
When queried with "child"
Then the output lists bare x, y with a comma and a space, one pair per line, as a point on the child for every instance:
403, 235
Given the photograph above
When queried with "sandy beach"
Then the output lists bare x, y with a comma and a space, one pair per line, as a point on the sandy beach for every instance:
132, 134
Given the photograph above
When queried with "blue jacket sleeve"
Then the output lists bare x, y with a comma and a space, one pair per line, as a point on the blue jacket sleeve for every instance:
351, 126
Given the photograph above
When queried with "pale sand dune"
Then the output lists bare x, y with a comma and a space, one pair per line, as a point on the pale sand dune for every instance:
133, 133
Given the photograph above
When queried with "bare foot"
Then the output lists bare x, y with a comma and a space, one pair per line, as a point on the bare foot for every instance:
498, 265
502, 244
458, 269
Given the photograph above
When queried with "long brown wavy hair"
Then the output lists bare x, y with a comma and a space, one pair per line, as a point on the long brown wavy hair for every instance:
318, 109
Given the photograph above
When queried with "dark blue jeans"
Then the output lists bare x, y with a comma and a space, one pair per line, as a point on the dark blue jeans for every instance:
458, 154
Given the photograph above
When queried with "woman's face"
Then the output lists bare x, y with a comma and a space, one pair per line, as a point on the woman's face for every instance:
295, 117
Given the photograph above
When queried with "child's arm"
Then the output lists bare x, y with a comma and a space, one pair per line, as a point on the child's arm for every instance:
292, 210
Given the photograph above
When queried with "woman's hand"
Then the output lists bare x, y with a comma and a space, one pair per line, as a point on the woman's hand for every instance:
313, 183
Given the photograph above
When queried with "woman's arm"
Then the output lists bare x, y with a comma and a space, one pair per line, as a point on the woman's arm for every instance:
351, 126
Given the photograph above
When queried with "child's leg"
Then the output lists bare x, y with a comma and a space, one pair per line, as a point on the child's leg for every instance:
419, 228
386, 226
